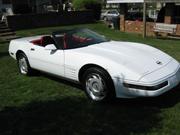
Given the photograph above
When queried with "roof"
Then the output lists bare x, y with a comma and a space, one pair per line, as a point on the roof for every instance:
141, 1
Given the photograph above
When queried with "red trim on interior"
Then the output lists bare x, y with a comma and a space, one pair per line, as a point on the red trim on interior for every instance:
65, 44
37, 41
80, 39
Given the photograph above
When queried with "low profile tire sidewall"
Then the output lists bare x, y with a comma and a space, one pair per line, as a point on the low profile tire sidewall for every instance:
21, 56
109, 88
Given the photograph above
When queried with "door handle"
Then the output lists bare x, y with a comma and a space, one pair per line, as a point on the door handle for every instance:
32, 49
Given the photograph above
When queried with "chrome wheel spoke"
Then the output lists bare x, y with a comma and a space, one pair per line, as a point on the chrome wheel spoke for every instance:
23, 65
95, 87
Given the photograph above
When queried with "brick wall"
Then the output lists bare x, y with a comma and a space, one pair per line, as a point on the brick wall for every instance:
137, 27
178, 30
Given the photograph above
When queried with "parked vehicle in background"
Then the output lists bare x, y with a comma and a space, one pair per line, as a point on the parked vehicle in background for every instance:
153, 14
137, 16
109, 14
175, 18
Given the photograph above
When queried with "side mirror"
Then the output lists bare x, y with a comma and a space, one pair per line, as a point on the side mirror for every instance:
50, 47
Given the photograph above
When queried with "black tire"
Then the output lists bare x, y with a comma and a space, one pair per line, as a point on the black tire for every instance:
28, 71
98, 85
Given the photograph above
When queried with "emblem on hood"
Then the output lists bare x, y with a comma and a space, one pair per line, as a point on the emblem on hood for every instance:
159, 62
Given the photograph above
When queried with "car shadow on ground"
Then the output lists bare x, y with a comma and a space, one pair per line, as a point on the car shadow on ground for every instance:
77, 116
165, 100
72, 115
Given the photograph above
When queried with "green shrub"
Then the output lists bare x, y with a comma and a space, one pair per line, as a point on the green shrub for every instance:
82, 4
94, 5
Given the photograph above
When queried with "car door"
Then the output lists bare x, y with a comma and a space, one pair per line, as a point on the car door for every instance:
50, 61
113, 13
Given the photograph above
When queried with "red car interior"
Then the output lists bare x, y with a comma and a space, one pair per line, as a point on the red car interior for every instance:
67, 41
37, 42
65, 44
80, 39
43, 41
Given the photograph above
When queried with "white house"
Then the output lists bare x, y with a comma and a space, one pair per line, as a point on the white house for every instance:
5, 4
28, 6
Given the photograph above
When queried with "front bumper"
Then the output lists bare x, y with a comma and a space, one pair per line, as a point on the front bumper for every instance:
125, 92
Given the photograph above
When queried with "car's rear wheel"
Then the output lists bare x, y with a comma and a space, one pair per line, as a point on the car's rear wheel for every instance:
23, 64
98, 85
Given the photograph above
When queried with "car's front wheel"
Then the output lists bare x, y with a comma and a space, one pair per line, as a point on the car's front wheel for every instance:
23, 64
98, 85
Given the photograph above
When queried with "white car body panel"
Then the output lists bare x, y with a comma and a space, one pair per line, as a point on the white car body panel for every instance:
46, 60
110, 13
125, 62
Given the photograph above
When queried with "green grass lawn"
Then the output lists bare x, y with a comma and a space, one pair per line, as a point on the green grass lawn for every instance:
43, 105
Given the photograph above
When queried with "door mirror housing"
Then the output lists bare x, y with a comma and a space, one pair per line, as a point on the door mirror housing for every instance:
50, 47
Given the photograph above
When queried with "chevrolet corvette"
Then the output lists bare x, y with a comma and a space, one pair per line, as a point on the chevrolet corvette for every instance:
105, 68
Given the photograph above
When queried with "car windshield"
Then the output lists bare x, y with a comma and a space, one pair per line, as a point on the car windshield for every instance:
80, 38
113, 12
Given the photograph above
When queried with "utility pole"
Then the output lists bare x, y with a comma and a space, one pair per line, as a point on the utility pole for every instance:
144, 19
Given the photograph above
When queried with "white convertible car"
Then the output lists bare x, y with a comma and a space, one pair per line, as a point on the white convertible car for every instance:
104, 67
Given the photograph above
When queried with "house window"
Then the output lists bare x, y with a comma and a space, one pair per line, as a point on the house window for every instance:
6, 1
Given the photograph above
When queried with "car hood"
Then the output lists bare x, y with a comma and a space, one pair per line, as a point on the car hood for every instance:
139, 58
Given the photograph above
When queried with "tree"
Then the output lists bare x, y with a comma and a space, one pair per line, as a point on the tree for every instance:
94, 5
